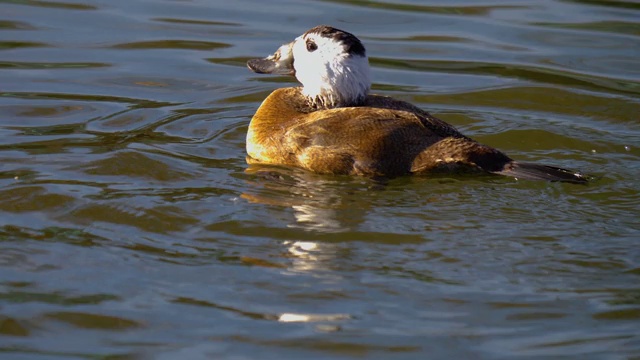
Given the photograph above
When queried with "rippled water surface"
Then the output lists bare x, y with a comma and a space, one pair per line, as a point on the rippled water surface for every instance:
131, 226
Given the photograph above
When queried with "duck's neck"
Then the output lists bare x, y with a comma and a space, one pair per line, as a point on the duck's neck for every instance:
337, 86
331, 100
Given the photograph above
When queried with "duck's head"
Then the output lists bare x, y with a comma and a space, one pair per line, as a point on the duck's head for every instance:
331, 64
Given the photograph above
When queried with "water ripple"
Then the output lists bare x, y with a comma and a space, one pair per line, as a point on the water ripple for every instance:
172, 44
131, 225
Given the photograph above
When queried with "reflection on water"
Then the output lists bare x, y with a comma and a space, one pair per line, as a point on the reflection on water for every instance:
316, 218
131, 225
319, 203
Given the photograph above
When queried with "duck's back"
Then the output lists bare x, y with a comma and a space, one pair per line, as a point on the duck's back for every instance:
384, 137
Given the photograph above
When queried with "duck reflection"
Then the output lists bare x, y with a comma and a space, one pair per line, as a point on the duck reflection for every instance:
326, 208
304, 254
319, 203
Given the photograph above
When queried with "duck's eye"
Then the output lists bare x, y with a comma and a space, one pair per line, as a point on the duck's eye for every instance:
311, 46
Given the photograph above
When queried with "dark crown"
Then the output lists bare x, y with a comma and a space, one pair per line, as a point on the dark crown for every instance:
352, 44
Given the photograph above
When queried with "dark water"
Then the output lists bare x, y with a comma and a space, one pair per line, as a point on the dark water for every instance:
132, 228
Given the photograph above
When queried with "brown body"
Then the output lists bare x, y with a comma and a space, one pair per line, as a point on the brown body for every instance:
383, 137
333, 126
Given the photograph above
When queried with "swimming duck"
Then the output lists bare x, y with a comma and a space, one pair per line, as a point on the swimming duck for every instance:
333, 125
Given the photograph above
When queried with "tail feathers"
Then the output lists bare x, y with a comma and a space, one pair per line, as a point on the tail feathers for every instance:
529, 171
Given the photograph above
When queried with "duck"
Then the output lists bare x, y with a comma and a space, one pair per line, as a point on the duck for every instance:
333, 125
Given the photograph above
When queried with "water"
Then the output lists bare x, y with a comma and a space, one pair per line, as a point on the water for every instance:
131, 226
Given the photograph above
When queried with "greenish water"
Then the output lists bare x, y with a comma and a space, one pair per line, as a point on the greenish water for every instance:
131, 226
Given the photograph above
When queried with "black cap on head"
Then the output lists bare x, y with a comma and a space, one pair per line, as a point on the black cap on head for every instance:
352, 44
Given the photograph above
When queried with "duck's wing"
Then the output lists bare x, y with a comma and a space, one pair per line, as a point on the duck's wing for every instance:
359, 140
437, 126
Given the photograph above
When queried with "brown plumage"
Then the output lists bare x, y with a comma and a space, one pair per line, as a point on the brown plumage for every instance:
383, 137
341, 129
